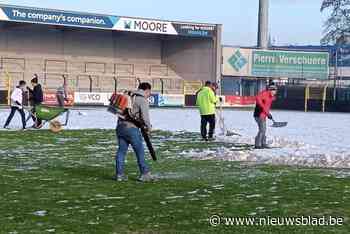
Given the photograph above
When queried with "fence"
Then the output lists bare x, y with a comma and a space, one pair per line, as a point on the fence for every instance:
309, 98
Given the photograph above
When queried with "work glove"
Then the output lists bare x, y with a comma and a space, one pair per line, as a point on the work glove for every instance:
269, 116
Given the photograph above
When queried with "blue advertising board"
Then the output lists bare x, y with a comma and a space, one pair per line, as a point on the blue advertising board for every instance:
57, 17
171, 100
154, 99
76, 19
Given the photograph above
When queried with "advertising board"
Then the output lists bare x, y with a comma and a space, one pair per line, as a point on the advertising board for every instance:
92, 98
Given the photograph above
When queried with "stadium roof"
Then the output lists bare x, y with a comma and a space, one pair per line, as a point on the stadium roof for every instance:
107, 22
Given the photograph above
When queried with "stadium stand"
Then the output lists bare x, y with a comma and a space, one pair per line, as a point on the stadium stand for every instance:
88, 65
87, 76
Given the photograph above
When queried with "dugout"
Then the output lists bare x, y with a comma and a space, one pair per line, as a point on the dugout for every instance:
103, 53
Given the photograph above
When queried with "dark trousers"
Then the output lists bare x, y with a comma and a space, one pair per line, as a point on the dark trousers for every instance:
13, 111
37, 121
60, 100
205, 119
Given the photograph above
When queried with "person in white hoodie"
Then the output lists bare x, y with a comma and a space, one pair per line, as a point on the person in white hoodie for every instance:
17, 104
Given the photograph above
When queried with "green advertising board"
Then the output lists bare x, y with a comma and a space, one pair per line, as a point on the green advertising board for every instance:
291, 64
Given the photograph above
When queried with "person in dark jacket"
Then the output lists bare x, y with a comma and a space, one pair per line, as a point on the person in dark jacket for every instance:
262, 111
36, 98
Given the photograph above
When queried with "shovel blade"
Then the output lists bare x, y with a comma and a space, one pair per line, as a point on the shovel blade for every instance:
231, 133
279, 124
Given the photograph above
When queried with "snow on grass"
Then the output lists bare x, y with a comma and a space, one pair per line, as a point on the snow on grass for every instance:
40, 213
174, 197
311, 139
283, 152
70, 189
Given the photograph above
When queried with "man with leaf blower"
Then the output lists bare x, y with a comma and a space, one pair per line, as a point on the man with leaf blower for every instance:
133, 125
264, 101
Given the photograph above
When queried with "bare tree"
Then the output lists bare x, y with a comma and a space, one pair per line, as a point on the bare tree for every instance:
338, 23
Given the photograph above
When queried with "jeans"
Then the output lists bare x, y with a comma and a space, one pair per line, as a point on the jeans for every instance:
205, 119
260, 139
130, 136
13, 111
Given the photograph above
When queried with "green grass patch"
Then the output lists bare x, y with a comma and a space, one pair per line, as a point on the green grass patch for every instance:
62, 183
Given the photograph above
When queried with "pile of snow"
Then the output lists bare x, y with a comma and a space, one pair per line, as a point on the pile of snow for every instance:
284, 152
311, 139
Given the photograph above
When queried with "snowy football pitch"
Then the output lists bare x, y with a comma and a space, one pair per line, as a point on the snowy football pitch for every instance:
61, 183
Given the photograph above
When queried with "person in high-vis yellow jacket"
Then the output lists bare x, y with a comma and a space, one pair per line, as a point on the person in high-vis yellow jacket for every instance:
206, 102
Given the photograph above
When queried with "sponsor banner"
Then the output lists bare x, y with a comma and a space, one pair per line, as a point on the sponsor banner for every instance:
32, 15
164, 27
290, 64
145, 26
50, 99
195, 30
239, 101
338, 54
92, 98
236, 61
75, 19
153, 99
244, 62
171, 100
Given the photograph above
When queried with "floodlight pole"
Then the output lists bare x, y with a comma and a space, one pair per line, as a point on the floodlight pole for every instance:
335, 74
263, 30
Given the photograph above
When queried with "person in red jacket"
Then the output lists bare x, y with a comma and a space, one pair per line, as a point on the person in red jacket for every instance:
262, 111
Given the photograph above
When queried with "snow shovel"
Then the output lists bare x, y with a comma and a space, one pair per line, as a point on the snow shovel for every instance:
222, 125
278, 124
230, 133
